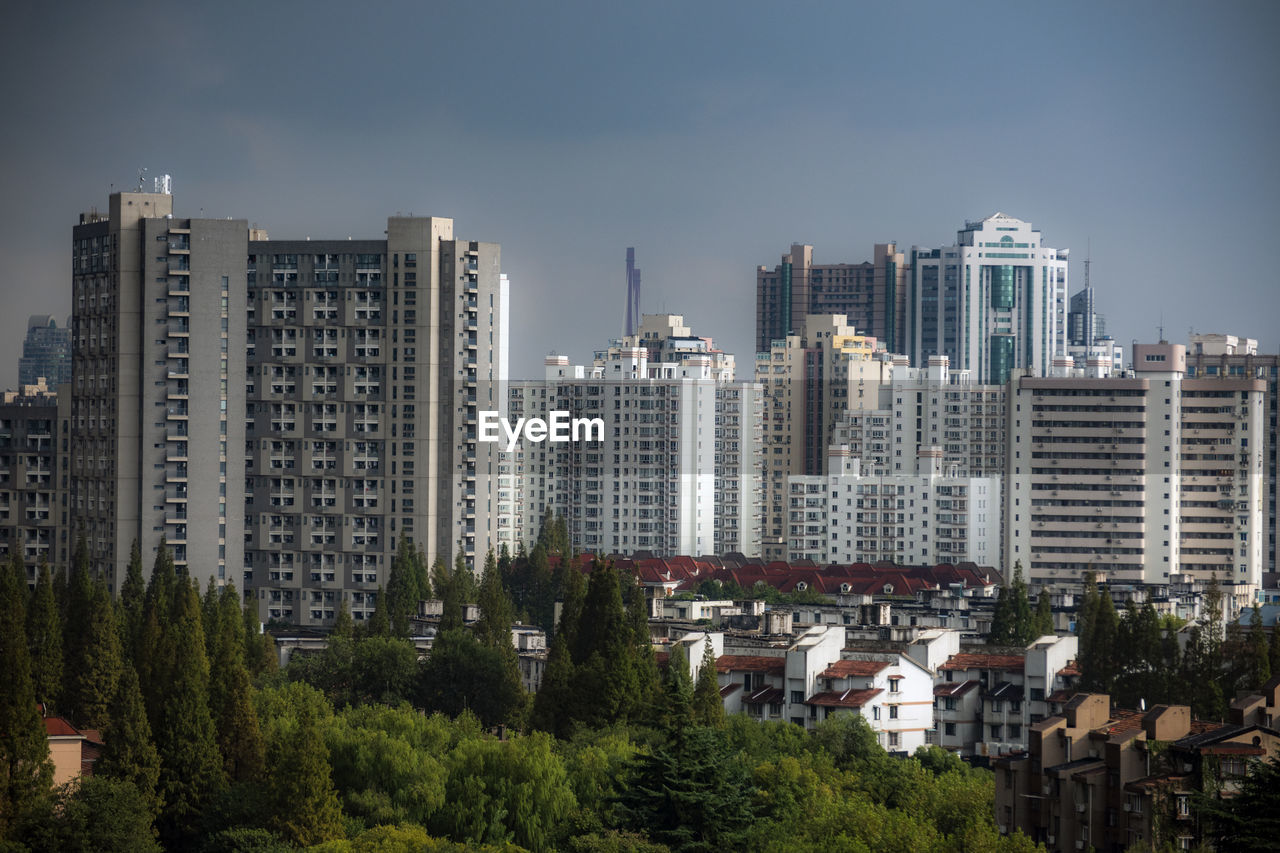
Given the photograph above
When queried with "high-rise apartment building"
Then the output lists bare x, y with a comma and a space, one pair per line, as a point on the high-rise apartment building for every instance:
1216, 356
33, 511
46, 353
675, 469
921, 408
1141, 478
870, 295
344, 376
993, 302
809, 380
933, 514
158, 358
368, 362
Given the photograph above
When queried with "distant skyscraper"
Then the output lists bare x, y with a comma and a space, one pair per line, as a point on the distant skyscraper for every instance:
632, 322
992, 302
45, 352
1084, 324
871, 295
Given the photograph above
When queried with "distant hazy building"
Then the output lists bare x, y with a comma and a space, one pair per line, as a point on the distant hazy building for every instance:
1231, 357
993, 302
33, 512
46, 352
677, 468
1084, 324
1141, 478
933, 514
157, 424
870, 295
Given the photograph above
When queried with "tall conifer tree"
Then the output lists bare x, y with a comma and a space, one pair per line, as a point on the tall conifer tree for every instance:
96, 662
25, 770
190, 764
44, 639
129, 753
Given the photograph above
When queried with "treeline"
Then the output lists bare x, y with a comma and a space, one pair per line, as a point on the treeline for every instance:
1135, 655
364, 747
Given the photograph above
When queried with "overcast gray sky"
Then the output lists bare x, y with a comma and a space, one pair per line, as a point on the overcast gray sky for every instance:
710, 136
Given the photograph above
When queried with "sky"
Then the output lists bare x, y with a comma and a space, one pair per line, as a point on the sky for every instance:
709, 136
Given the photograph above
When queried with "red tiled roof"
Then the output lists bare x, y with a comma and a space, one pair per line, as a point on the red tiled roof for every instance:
730, 689
1008, 663
854, 668
843, 699
751, 663
58, 727
1069, 670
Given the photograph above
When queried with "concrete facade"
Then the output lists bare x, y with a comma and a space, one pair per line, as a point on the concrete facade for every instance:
1139, 478
158, 353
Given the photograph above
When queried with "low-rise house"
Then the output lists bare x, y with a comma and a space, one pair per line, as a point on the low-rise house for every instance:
1108, 779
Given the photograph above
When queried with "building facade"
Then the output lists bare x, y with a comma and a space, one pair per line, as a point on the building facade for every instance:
368, 362
932, 515
993, 302
870, 295
1213, 356
158, 360
676, 469
810, 381
1140, 478
33, 487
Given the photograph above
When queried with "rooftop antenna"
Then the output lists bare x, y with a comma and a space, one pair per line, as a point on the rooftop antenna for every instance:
1088, 259
1161, 327
141, 175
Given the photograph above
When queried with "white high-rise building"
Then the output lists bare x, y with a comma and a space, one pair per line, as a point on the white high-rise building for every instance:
992, 303
676, 470
1140, 478
932, 515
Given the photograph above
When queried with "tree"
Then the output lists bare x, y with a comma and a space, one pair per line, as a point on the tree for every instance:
1002, 620
403, 589
464, 675
1248, 820
128, 752
708, 707
496, 611
149, 655
133, 593
25, 771
190, 763
230, 692
690, 794
1258, 665
1106, 632
344, 627
1044, 616
506, 791
96, 661
677, 690
304, 805
95, 813
1085, 617
1023, 621
44, 639
379, 624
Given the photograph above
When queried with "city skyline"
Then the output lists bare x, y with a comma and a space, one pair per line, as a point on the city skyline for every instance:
1106, 138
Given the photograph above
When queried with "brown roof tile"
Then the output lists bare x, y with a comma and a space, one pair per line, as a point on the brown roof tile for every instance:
967, 660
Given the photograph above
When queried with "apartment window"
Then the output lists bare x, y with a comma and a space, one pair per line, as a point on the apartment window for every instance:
893, 712
797, 696
894, 739
893, 684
